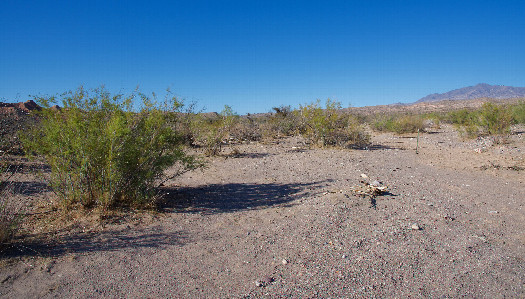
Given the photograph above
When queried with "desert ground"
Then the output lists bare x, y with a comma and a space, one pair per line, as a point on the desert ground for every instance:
279, 219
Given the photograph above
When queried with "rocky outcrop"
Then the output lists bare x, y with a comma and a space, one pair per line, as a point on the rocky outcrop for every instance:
19, 108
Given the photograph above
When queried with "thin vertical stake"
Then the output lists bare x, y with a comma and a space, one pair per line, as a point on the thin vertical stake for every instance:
417, 142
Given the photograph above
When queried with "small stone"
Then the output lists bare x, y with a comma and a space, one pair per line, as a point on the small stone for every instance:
285, 262
364, 176
344, 256
376, 183
258, 283
415, 227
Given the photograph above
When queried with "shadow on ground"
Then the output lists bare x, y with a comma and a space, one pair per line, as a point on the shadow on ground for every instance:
209, 199
226, 198
249, 155
25, 188
51, 246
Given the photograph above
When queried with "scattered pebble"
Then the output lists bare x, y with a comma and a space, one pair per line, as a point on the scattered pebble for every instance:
264, 281
415, 227
284, 261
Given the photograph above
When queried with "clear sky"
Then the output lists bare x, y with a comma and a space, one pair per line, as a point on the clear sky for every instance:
255, 55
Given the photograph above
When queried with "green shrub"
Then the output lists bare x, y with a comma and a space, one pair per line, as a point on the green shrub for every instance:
246, 129
353, 135
212, 130
103, 153
462, 117
383, 123
284, 122
465, 121
494, 119
409, 124
518, 112
318, 124
330, 127
490, 119
399, 124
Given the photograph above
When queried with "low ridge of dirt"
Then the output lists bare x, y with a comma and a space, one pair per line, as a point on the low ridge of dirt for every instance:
281, 220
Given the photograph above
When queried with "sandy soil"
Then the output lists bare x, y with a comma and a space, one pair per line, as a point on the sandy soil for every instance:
281, 220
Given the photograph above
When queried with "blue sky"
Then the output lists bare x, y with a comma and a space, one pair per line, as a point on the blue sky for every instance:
255, 55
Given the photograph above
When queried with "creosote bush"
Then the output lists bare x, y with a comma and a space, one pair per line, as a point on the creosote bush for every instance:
490, 120
495, 120
283, 122
104, 153
212, 130
400, 124
330, 127
518, 113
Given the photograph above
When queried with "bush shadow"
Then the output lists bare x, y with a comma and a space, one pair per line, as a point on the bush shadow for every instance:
48, 245
227, 198
248, 155
25, 188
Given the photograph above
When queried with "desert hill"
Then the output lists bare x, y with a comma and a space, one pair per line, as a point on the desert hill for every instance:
481, 90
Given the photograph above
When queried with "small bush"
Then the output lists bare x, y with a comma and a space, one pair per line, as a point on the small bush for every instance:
399, 124
318, 124
353, 135
246, 129
461, 117
409, 124
284, 122
10, 209
103, 153
212, 130
330, 127
518, 113
495, 120
465, 121
490, 119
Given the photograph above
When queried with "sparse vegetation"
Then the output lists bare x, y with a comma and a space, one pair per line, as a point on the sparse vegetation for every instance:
490, 119
330, 127
495, 120
283, 122
10, 209
212, 130
399, 124
518, 112
103, 153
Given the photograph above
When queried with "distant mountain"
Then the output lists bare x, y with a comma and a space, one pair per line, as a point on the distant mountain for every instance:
481, 90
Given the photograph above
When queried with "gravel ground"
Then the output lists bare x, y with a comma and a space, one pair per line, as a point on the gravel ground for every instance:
281, 220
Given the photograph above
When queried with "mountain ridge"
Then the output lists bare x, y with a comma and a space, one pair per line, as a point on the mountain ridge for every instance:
481, 90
